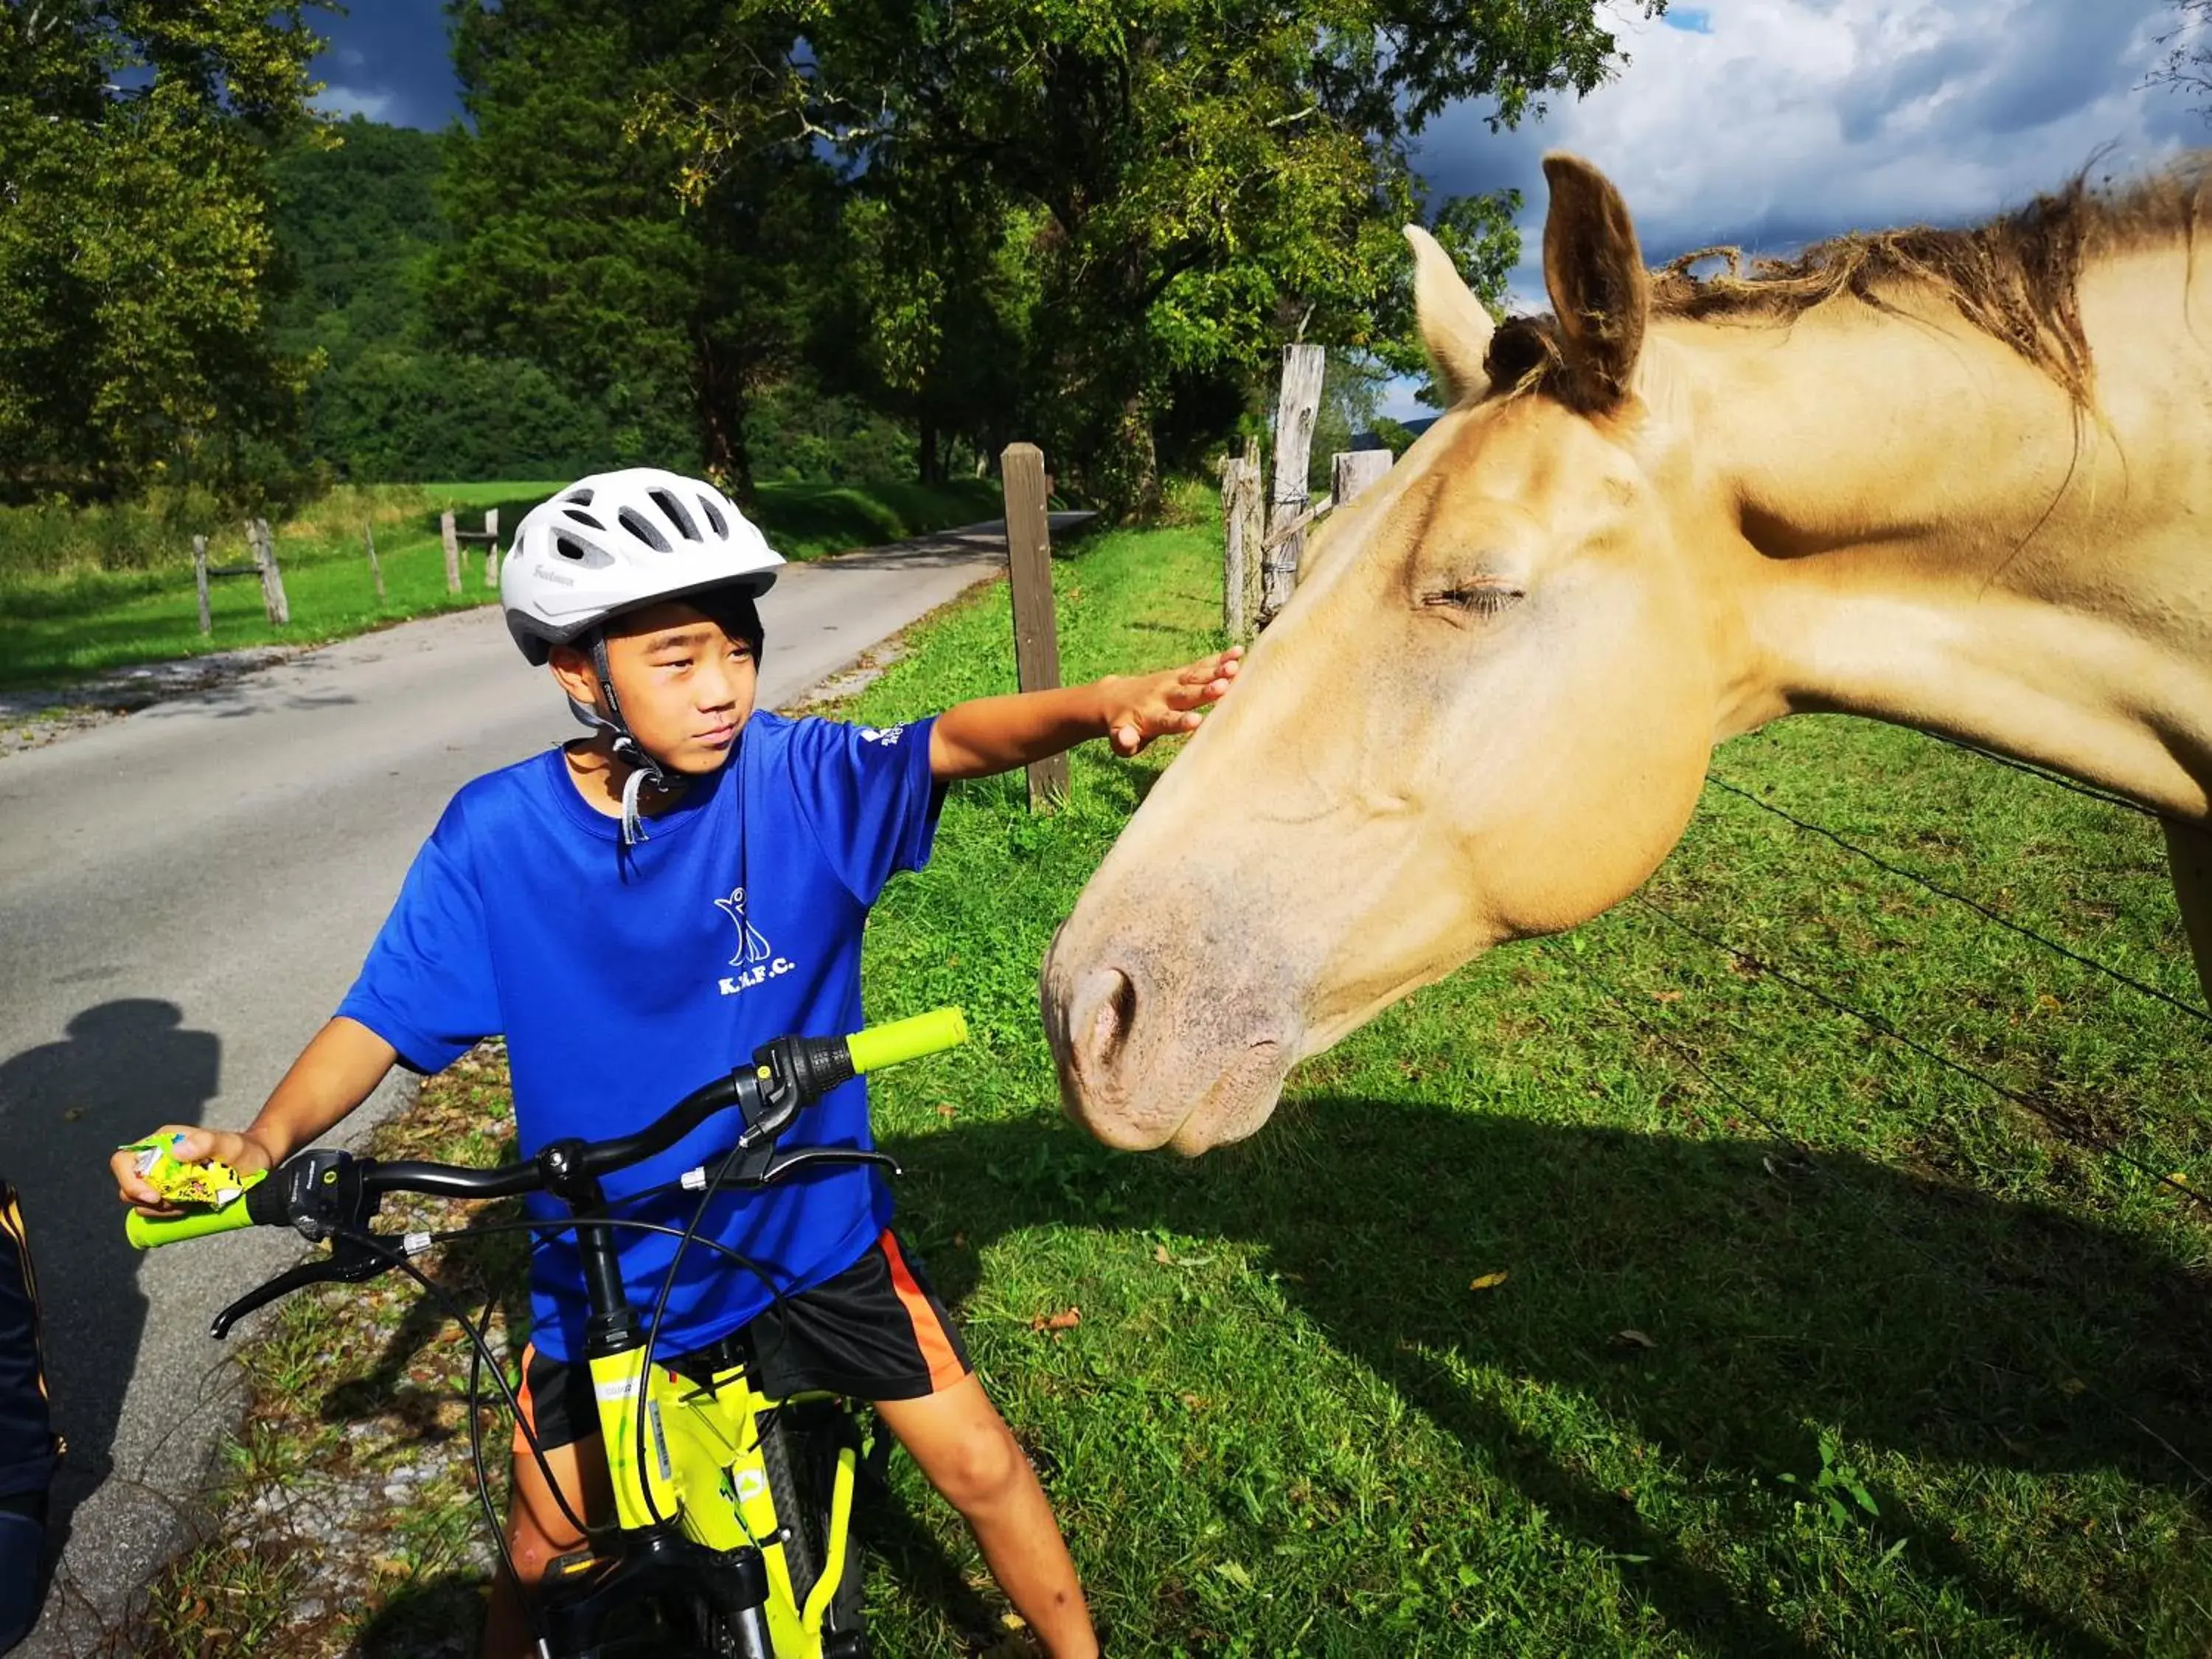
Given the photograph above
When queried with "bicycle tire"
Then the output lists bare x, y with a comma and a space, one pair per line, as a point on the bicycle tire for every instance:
800, 1448
717, 1637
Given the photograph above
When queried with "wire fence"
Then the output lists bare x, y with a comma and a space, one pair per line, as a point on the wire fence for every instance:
1806, 1158
2072, 1127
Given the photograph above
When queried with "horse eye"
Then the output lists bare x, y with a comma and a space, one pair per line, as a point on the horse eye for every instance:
1483, 598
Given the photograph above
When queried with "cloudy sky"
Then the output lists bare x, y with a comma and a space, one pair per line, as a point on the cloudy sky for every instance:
1762, 123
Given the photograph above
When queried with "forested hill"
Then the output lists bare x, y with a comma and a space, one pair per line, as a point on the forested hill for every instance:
358, 224
351, 221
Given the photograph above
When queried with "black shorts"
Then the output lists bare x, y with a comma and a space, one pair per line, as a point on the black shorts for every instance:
876, 1331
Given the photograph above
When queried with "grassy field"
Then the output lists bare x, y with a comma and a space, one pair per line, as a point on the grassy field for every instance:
60, 625
1609, 1297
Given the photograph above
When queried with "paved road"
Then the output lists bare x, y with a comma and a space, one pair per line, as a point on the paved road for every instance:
185, 895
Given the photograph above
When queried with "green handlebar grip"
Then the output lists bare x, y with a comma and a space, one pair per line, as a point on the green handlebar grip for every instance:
907, 1039
145, 1231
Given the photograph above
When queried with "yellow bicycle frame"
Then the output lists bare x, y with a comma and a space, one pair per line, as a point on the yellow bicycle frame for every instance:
703, 1468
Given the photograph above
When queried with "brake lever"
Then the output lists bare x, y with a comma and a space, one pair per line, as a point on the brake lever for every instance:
321, 1194
349, 1263
777, 1168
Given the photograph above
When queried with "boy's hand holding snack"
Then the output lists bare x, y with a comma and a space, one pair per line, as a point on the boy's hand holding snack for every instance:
179, 1165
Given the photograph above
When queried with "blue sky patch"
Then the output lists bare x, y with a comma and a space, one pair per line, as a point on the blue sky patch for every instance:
1691, 20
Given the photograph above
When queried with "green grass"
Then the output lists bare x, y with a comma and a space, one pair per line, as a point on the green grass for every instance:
1908, 1372
80, 620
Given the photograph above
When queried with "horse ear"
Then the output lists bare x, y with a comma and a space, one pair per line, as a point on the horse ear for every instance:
1454, 328
1594, 272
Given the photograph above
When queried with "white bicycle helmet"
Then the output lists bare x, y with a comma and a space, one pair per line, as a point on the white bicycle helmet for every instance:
616, 541
609, 544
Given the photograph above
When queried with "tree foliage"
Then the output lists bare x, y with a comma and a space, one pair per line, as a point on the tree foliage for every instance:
572, 247
360, 226
2185, 64
1193, 182
135, 253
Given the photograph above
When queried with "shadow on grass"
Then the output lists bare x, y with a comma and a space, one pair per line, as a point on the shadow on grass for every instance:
1914, 1315
441, 1612
441, 1615
482, 1267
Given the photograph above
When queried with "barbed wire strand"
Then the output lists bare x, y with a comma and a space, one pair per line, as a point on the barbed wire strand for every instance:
2078, 1133
1973, 904
2129, 1410
2073, 785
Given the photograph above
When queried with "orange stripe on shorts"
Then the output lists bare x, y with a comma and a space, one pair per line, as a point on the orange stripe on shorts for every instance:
944, 1367
528, 1412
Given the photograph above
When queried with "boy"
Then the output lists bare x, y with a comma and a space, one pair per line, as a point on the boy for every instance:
583, 903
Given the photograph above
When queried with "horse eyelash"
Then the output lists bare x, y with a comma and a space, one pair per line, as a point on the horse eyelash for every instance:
1485, 600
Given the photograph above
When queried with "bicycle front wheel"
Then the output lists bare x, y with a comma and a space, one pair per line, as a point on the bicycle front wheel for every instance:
722, 1636
802, 1444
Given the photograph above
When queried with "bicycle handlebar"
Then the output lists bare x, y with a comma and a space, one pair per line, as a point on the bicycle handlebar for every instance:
907, 1039
787, 1075
145, 1231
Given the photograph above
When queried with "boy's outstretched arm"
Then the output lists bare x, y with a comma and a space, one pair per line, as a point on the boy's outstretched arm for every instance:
339, 1069
997, 734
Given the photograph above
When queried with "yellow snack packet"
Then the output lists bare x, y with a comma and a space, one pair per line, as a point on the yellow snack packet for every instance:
213, 1184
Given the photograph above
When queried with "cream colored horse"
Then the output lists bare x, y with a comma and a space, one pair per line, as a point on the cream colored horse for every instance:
1962, 481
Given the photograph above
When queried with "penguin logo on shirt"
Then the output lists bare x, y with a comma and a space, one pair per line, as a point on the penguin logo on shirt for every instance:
754, 954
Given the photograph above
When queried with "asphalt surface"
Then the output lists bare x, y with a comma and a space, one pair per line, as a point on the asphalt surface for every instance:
185, 893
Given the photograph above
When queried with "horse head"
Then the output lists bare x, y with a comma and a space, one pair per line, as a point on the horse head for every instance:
1485, 715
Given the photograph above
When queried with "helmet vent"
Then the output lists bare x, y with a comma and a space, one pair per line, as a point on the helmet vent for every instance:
579, 497
584, 519
643, 528
713, 515
677, 516
569, 547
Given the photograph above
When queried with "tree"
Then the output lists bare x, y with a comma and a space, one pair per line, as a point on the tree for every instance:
573, 249
2186, 65
358, 224
933, 322
136, 254
1210, 178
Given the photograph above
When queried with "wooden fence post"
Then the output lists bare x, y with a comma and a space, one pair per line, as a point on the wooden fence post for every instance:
273, 602
452, 551
1243, 518
1037, 630
1253, 504
1296, 408
491, 547
368, 535
1352, 470
200, 580
1232, 548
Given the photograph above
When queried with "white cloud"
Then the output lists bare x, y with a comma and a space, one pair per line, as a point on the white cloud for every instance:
343, 101
1772, 123
1776, 121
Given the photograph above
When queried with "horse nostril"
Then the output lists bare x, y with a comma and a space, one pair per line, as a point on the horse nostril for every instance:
1105, 1009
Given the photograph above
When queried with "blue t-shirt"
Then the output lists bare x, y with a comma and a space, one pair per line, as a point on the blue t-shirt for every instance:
622, 979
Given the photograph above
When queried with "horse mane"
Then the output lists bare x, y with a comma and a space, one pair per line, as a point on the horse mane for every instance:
2016, 278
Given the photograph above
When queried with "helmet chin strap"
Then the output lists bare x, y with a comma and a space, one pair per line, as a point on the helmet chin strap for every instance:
644, 769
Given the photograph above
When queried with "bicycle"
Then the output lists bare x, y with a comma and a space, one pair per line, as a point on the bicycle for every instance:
731, 1535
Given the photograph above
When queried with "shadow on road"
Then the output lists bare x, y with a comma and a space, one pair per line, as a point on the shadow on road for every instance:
123, 1068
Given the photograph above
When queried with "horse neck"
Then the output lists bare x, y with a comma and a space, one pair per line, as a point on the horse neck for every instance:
1914, 524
